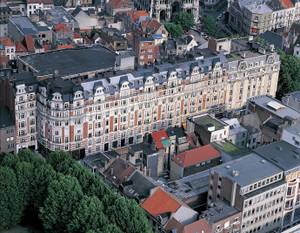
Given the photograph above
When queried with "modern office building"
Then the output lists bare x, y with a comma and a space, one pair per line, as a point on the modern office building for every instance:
255, 187
286, 157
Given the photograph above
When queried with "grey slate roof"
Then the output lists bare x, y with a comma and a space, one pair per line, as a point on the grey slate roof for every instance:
6, 118
282, 154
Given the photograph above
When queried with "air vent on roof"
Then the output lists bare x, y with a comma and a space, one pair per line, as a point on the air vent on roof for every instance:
263, 161
279, 148
227, 166
296, 156
235, 173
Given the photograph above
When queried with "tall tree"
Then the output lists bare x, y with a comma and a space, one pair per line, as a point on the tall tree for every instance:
11, 205
128, 216
88, 216
174, 29
185, 20
64, 195
289, 76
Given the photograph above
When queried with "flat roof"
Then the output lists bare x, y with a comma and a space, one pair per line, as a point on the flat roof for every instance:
6, 118
71, 61
208, 121
219, 212
247, 170
282, 154
275, 107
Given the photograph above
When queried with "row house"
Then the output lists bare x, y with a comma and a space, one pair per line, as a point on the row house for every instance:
108, 112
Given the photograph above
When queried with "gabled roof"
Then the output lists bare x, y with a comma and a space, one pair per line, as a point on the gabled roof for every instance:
135, 15
119, 171
117, 4
158, 137
29, 41
160, 202
6, 41
150, 25
199, 226
195, 156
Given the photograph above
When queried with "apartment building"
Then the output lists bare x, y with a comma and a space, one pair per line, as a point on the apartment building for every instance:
256, 17
164, 10
7, 131
103, 111
32, 6
253, 186
286, 157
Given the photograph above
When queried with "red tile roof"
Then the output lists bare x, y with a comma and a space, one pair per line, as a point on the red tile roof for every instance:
150, 25
160, 202
135, 15
65, 46
29, 43
20, 48
76, 35
117, 4
6, 41
286, 3
198, 226
192, 157
157, 137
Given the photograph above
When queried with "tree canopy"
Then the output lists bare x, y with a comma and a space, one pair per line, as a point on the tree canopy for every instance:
289, 76
62, 196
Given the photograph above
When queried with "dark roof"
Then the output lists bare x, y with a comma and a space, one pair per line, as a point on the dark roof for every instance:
139, 184
25, 78
282, 154
6, 118
71, 61
76, 11
176, 131
273, 38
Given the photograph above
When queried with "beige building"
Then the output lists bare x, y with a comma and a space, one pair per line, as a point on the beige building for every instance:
256, 17
164, 10
108, 111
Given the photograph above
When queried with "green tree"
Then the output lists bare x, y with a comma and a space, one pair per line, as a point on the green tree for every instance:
210, 27
111, 228
174, 29
24, 174
128, 216
289, 76
64, 195
185, 20
88, 216
10, 160
10, 199
60, 161
43, 175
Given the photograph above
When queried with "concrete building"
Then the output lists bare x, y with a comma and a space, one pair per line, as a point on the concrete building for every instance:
291, 135
7, 131
272, 117
253, 186
292, 100
286, 157
5, 13
108, 110
223, 218
207, 128
165, 10
256, 17
238, 135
